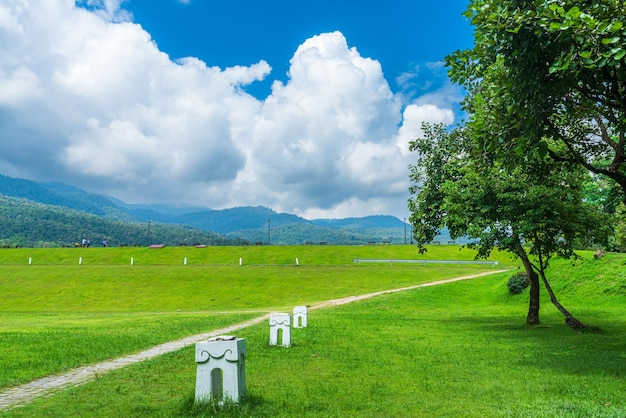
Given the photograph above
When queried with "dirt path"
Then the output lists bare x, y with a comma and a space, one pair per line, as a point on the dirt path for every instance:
46, 386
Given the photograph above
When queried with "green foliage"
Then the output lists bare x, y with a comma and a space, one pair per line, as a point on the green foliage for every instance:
548, 77
620, 227
438, 157
603, 192
537, 203
534, 209
517, 283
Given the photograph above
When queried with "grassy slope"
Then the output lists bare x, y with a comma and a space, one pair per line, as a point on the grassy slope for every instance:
453, 350
249, 255
56, 314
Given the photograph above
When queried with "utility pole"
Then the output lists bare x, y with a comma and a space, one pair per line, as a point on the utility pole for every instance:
404, 231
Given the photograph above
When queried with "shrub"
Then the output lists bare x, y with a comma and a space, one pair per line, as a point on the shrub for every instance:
517, 283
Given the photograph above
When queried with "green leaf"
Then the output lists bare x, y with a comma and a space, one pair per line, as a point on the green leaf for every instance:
555, 26
590, 22
602, 27
620, 54
585, 54
608, 41
574, 12
616, 26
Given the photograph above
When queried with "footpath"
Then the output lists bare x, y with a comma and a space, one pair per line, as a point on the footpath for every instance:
49, 385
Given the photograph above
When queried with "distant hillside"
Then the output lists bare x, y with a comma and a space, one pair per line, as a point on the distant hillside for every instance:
245, 223
59, 194
30, 224
307, 233
376, 222
238, 219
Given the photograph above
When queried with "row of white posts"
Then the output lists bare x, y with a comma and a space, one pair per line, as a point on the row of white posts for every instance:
132, 261
221, 372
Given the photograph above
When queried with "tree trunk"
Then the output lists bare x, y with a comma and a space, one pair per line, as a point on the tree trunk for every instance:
533, 304
569, 318
533, 280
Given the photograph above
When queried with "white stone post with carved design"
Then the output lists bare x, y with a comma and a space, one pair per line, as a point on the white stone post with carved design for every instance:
221, 372
280, 322
300, 314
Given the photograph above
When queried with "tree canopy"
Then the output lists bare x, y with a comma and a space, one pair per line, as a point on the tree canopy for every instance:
534, 210
548, 76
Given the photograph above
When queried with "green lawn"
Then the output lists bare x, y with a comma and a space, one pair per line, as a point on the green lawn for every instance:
459, 349
56, 315
248, 255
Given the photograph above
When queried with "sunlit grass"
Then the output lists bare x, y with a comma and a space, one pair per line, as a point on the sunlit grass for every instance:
247, 255
459, 349
37, 345
54, 316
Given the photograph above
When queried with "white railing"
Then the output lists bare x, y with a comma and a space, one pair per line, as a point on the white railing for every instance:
425, 262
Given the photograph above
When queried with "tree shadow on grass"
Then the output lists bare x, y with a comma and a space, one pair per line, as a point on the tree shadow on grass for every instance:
552, 345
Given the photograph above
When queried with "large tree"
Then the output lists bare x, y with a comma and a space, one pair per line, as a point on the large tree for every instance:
534, 210
548, 75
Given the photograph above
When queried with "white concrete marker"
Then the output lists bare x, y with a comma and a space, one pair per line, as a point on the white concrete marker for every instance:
300, 314
221, 372
280, 322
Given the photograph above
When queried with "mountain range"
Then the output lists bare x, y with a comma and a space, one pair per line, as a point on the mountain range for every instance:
257, 225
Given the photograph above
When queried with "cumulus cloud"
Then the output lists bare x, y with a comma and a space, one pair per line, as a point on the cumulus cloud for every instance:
87, 97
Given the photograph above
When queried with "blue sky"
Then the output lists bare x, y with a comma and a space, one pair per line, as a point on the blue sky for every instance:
303, 108
401, 34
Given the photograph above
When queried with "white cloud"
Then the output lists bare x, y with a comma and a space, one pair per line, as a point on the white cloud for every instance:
86, 97
414, 115
21, 85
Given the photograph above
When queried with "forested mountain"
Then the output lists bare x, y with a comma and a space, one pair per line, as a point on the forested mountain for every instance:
26, 223
308, 233
46, 214
238, 219
376, 222
60, 194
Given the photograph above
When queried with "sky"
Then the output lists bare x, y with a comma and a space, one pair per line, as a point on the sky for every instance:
306, 108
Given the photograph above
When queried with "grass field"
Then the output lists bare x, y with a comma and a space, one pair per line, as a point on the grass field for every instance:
230, 256
459, 349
